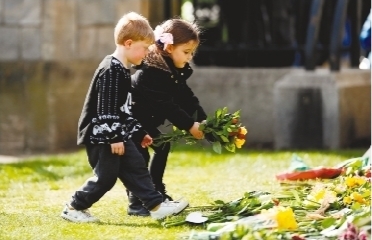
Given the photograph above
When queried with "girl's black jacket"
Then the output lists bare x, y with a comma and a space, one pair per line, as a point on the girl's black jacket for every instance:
160, 92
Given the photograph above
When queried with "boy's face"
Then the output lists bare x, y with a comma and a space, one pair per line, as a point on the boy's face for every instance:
136, 51
183, 53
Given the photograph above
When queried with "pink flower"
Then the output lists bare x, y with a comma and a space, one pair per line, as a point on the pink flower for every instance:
165, 38
352, 233
363, 235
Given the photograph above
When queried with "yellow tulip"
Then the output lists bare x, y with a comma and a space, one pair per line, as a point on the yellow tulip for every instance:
318, 196
347, 200
286, 219
360, 180
358, 197
354, 181
239, 142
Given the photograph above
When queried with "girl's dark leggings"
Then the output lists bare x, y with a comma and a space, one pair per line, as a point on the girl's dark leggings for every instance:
158, 161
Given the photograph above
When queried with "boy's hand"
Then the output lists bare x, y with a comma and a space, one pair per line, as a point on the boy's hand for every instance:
195, 132
147, 141
117, 148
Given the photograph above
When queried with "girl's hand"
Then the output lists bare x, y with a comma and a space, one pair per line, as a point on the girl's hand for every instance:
195, 132
147, 141
117, 148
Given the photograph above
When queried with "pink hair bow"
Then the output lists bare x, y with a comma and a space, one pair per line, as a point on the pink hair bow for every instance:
165, 38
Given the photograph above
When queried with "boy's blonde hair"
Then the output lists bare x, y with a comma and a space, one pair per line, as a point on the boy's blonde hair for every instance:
133, 26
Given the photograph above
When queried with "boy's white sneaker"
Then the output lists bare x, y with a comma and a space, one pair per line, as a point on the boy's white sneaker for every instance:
168, 208
78, 216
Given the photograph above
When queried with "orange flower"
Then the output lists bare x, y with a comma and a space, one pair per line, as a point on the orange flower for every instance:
233, 133
235, 120
368, 173
241, 136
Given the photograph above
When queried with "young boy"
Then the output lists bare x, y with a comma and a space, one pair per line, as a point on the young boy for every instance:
107, 128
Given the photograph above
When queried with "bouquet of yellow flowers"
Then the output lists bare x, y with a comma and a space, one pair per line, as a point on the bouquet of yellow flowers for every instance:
222, 129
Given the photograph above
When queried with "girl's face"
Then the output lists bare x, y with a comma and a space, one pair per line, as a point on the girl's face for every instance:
182, 53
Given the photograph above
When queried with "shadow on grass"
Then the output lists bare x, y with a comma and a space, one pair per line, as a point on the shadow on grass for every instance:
135, 225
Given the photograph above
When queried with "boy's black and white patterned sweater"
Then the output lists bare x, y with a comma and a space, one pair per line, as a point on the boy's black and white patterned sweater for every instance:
106, 116
161, 92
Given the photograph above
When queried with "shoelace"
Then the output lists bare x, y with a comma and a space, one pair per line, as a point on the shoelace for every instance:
170, 203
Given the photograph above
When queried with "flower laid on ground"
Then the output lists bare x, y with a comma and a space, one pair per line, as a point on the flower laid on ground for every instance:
250, 204
222, 129
352, 233
283, 216
321, 209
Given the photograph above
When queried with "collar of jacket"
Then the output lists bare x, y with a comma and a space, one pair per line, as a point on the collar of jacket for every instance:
156, 60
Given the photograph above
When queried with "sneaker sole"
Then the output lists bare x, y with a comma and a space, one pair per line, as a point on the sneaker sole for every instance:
139, 215
178, 212
68, 218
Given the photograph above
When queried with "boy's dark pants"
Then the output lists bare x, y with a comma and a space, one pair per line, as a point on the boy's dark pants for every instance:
130, 168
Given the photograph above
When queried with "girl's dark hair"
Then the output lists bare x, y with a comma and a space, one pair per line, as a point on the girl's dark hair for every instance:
182, 31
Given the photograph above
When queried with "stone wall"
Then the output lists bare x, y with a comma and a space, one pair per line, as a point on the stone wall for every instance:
35, 30
50, 49
248, 90
40, 104
58, 30
322, 109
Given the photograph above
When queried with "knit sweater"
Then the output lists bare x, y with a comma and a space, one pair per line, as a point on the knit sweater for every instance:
106, 115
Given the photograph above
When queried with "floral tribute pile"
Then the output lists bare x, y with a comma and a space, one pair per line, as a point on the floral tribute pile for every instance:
334, 209
222, 129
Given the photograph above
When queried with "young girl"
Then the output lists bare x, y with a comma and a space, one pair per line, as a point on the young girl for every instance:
160, 92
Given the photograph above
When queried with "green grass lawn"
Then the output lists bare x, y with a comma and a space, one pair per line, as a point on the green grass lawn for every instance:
32, 193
